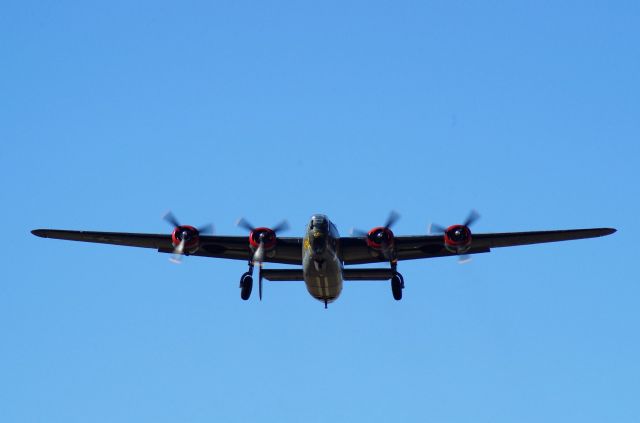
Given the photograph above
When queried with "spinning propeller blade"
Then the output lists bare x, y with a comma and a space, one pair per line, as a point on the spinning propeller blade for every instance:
281, 227
171, 219
394, 216
435, 229
392, 219
472, 218
243, 223
177, 253
206, 229
260, 282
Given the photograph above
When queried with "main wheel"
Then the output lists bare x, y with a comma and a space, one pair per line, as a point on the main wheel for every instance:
246, 284
396, 287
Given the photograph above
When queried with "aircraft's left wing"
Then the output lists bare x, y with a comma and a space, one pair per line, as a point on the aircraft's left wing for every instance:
287, 251
356, 251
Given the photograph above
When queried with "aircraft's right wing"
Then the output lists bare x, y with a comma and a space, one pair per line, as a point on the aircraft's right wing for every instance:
356, 251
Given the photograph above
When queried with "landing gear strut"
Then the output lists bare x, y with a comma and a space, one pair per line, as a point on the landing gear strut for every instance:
246, 284
397, 285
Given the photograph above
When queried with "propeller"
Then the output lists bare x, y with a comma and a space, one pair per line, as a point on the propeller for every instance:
258, 254
204, 229
280, 227
380, 237
171, 219
177, 253
394, 216
260, 282
435, 229
472, 218
185, 234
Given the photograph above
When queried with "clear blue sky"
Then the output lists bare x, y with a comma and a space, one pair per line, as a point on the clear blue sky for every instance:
113, 112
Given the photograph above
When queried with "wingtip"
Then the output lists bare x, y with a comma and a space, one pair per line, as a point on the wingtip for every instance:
39, 232
609, 231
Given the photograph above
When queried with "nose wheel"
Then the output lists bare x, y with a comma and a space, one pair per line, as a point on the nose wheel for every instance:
397, 285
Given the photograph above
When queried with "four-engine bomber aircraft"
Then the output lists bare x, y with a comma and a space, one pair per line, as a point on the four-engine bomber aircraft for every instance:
322, 253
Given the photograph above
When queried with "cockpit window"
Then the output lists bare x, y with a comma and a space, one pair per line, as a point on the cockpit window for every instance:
319, 223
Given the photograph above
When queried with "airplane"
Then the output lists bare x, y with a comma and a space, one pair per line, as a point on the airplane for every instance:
322, 254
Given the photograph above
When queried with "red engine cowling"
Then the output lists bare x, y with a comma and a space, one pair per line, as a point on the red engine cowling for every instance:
380, 238
457, 239
266, 235
187, 234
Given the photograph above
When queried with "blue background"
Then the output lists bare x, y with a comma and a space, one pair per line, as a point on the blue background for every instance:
113, 112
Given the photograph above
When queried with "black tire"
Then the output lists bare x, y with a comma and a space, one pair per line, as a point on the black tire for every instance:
396, 287
246, 285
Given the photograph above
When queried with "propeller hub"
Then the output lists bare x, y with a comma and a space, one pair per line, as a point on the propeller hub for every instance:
457, 238
264, 236
187, 234
380, 237
185, 238
261, 240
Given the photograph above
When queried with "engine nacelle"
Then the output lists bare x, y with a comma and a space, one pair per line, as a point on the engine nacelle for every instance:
380, 239
457, 239
266, 235
187, 234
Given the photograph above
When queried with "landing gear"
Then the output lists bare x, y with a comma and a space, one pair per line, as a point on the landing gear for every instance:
246, 284
397, 285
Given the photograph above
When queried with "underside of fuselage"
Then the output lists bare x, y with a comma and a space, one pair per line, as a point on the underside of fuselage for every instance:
321, 266
323, 278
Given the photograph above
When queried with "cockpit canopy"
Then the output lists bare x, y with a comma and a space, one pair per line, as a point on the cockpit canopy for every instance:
319, 223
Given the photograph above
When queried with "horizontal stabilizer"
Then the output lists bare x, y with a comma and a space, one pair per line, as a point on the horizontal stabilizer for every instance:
367, 274
283, 275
